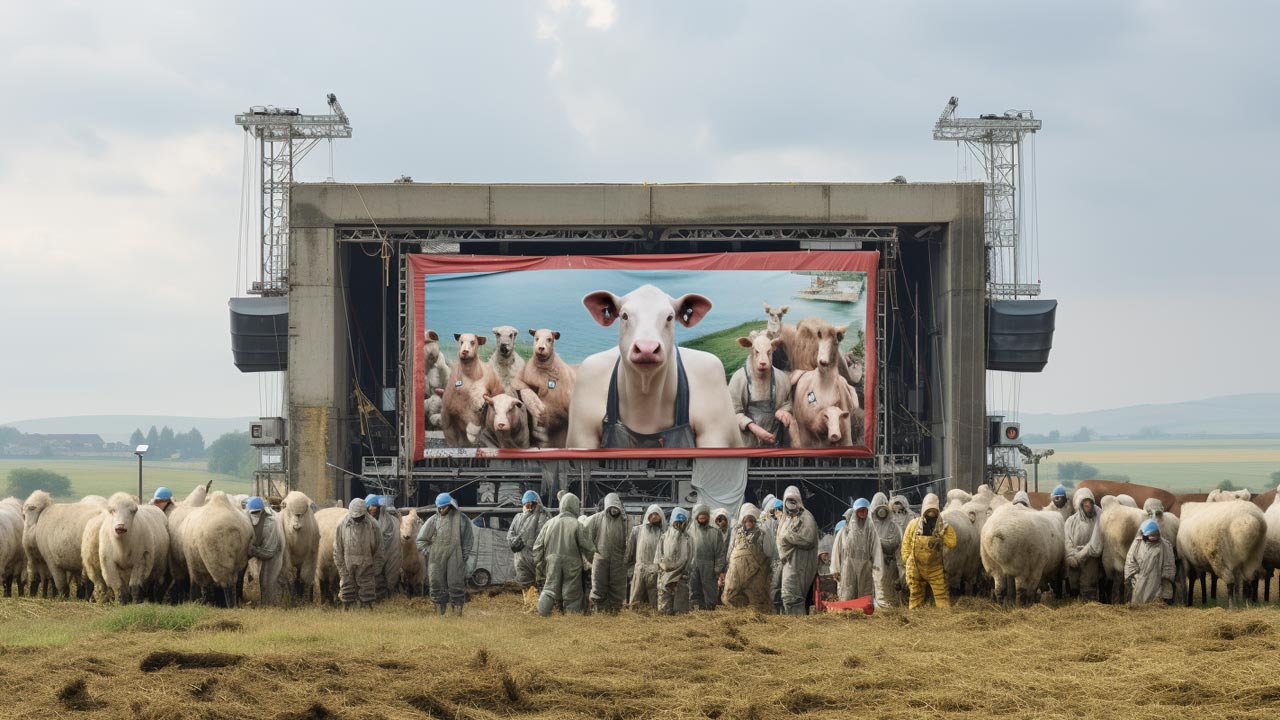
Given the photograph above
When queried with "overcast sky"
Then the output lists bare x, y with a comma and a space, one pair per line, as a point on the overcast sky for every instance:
120, 168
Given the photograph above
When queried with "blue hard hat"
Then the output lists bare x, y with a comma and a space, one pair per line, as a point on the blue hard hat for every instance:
163, 493
862, 504
679, 515
776, 504
444, 499
840, 525
1150, 527
1059, 491
254, 503
530, 497
371, 500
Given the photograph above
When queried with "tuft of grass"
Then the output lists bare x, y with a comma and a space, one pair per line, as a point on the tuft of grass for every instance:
152, 618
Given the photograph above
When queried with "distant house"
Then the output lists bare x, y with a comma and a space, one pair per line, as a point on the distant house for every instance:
33, 444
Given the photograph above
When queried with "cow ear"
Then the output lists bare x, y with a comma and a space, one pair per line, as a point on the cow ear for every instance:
844, 414
555, 334
691, 308
496, 331
533, 332
783, 310
768, 310
744, 342
603, 306
488, 399
431, 335
519, 405
457, 337
840, 331
481, 339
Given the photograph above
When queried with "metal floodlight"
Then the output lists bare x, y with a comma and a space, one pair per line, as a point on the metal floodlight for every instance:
141, 450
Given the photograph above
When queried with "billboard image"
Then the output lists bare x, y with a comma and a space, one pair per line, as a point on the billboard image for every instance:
738, 354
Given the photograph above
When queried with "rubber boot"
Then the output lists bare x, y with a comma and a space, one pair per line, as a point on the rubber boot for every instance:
442, 608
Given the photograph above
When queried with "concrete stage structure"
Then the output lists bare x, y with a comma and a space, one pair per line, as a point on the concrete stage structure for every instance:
346, 277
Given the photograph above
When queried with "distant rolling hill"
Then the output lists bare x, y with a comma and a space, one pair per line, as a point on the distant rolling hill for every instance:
118, 428
1228, 415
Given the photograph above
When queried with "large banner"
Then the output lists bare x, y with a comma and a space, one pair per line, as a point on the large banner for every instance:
727, 354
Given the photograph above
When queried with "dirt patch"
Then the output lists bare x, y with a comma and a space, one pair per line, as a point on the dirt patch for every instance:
394, 665
187, 661
799, 702
766, 650
314, 712
433, 707
851, 661
75, 696
1092, 656
202, 689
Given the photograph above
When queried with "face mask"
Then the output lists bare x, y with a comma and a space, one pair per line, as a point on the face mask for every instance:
1153, 539
1059, 501
881, 512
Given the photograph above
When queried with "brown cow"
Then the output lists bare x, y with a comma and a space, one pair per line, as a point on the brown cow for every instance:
801, 345
822, 388
506, 423
545, 384
470, 381
1139, 493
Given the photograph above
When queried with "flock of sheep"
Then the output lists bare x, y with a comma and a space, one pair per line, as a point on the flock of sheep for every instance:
199, 548
1016, 551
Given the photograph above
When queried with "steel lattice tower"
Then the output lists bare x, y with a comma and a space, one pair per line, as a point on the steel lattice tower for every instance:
284, 136
996, 141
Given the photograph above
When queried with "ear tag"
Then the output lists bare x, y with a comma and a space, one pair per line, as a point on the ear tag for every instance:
551, 384
812, 397
458, 383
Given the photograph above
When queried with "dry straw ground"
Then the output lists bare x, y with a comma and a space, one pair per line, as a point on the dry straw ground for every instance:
68, 659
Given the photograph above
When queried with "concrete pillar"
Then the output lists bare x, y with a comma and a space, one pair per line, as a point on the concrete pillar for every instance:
318, 367
963, 326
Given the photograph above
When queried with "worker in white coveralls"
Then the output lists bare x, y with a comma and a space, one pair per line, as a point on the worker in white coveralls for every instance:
268, 547
445, 539
520, 538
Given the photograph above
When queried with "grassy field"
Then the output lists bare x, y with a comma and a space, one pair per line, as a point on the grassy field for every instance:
72, 659
106, 476
1176, 465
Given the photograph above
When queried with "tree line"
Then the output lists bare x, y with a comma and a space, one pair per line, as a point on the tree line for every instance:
165, 443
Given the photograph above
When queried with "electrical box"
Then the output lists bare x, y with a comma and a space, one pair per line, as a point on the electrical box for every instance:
267, 432
1002, 432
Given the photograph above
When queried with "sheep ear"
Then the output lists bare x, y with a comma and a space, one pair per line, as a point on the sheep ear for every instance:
783, 310
768, 310
840, 331
744, 342
481, 339
533, 332
496, 331
775, 343
603, 306
488, 399
555, 334
457, 337
518, 404
431, 335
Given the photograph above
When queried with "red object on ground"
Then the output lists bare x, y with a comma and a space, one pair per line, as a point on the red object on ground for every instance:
864, 604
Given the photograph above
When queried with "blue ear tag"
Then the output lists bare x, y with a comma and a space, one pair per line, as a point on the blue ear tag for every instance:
458, 383
551, 384
812, 397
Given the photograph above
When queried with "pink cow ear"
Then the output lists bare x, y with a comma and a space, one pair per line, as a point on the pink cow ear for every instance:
691, 308
431, 334
603, 306
481, 339
775, 343
744, 342
488, 399
555, 334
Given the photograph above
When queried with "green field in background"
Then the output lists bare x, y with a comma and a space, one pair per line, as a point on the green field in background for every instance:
1176, 465
103, 476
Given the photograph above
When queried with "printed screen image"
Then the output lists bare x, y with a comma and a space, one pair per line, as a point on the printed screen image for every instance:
680, 355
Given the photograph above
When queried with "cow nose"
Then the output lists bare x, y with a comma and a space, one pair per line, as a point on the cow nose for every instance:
646, 351
501, 426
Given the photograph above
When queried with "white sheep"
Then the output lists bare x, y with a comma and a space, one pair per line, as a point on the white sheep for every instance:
54, 530
962, 564
1271, 552
301, 538
12, 559
216, 538
1216, 495
1024, 546
179, 580
414, 566
1225, 537
91, 559
1117, 526
327, 521
133, 547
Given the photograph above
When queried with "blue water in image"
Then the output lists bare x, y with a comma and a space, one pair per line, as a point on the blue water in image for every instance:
478, 302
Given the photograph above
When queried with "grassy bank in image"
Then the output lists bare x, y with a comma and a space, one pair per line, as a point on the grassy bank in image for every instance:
71, 659
94, 476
